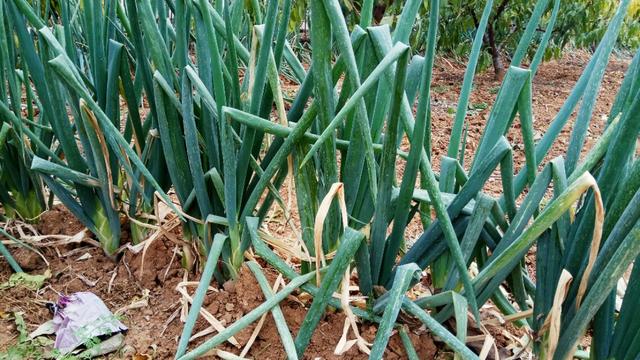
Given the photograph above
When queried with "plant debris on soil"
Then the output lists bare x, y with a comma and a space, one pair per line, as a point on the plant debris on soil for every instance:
152, 308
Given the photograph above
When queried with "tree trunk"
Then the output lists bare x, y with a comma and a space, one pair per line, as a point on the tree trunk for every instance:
378, 12
498, 67
379, 8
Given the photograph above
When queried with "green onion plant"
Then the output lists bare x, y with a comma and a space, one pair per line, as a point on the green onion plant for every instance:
128, 101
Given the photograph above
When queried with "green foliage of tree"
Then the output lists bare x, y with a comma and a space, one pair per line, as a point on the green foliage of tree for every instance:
580, 24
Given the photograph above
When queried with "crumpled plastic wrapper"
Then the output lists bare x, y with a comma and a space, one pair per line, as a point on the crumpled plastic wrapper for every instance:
80, 317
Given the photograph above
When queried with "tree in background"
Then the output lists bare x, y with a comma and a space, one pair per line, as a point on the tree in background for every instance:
580, 24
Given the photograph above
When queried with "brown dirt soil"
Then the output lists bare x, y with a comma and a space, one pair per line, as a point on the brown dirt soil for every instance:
58, 221
551, 87
155, 328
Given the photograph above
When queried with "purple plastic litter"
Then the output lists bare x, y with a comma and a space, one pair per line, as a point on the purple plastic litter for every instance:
80, 317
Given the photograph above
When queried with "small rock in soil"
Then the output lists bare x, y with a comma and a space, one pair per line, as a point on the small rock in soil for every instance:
27, 259
229, 286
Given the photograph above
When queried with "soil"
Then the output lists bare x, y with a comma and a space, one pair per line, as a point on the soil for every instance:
155, 327
552, 85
